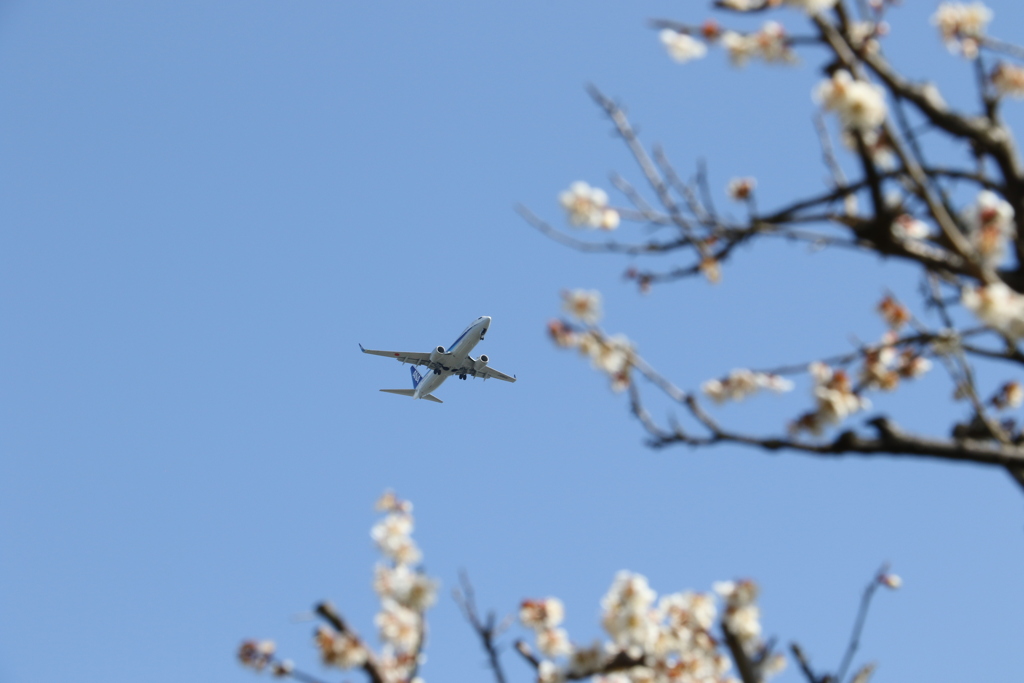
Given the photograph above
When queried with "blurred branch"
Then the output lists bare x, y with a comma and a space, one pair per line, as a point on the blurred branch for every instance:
858, 624
487, 630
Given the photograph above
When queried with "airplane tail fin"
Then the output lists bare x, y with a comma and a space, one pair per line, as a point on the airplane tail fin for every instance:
410, 392
416, 377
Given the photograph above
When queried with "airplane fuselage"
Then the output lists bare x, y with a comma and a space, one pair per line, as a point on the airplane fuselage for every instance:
454, 356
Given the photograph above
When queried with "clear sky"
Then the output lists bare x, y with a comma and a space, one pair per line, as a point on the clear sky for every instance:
205, 206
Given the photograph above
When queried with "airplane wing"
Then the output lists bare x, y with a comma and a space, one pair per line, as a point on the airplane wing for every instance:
402, 356
486, 373
491, 373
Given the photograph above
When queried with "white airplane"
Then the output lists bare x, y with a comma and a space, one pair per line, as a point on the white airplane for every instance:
443, 364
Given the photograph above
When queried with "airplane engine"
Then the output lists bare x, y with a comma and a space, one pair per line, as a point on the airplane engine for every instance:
480, 363
435, 355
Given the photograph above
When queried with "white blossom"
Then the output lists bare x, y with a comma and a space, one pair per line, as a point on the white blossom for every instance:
583, 304
997, 306
906, 228
769, 43
340, 649
553, 642
392, 537
892, 581
541, 614
548, 672
1008, 79
962, 26
405, 586
682, 47
628, 617
990, 225
742, 383
740, 47
741, 189
588, 206
398, 625
860, 105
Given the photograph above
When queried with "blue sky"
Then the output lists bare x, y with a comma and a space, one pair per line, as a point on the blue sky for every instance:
205, 206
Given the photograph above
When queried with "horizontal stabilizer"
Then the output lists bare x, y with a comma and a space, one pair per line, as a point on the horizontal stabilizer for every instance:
410, 392
400, 392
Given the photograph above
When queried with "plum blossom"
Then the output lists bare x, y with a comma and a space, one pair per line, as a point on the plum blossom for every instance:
392, 538
741, 616
864, 35
553, 642
962, 26
666, 640
739, 46
399, 626
892, 581
1008, 79
405, 586
548, 672
770, 43
628, 616
893, 312
997, 306
588, 206
256, 655
342, 650
1010, 395
906, 228
990, 225
541, 614
834, 396
741, 189
741, 383
682, 47
860, 105
583, 304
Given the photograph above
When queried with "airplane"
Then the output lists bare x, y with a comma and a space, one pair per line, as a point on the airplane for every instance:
444, 364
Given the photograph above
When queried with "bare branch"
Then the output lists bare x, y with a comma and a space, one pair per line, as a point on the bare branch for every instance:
858, 624
487, 631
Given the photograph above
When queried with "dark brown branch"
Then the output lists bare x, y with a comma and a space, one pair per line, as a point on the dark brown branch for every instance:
748, 670
804, 664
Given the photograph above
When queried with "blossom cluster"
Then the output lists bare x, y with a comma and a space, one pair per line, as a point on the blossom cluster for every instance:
1008, 79
835, 399
405, 593
588, 206
962, 26
741, 383
259, 655
613, 355
990, 226
651, 639
997, 306
859, 104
